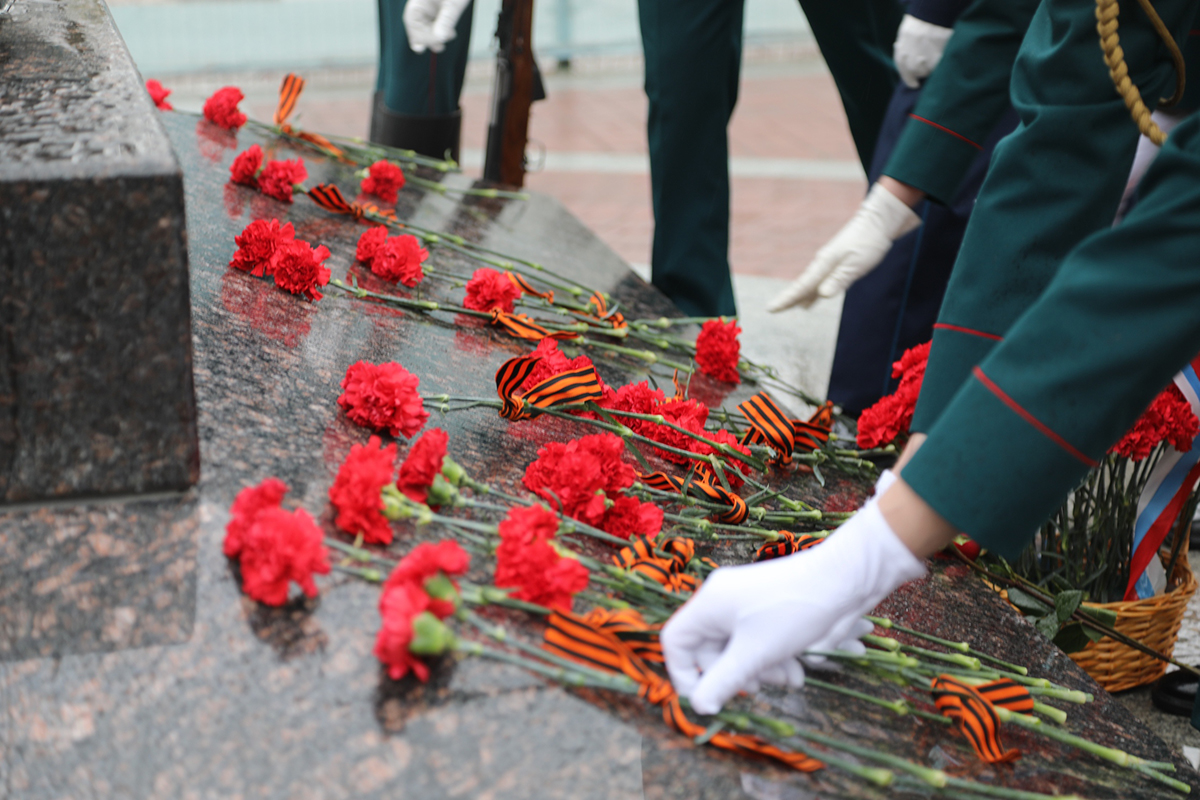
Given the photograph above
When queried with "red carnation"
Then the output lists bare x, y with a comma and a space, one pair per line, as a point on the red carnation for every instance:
257, 245
688, 414
398, 608
280, 548
278, 178
300, 268
221, 109
717, 350
399, 259
356, 492
722, 436
158, 93
429, 561
384, 181
890, 417
370, 242
526, 561
246, 507
383, 397
579, 476
553, 362
489, 289
630, 517
244, 169
1169, 418
423, 464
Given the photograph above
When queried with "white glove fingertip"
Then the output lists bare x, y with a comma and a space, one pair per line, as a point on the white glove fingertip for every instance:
731, 674
795, 673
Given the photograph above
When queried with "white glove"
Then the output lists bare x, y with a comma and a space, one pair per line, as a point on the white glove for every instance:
747, 625
431, 23
854, 251
918, 49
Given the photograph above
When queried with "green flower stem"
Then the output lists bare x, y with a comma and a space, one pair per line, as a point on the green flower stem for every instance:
367, 574
898, 707
1153, 774
882, 642
888, 624
478, 595
966, 662
377, 152
641, 355
358, 553
871, 657
1056, 714
442, 189
668, 322
404, 302
706, 527
1002, 793
930, 777
566, 677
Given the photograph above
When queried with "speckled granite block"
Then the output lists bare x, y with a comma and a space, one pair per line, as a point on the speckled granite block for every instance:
96, 391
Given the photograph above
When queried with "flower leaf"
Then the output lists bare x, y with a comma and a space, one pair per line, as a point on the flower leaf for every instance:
1066, 602
1027, 603
1072, 638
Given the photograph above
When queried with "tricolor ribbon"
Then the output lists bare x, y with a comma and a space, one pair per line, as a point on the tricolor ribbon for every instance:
973, 710
573, 386
1167, 489
575, 638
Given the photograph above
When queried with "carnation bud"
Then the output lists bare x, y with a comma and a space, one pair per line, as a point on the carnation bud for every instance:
452, 471
395, 505
440, 587
430, 636
440, 492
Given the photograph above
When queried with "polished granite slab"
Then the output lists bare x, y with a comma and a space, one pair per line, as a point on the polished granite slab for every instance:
132, 666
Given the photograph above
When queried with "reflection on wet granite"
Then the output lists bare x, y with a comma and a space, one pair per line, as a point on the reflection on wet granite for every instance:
237, 700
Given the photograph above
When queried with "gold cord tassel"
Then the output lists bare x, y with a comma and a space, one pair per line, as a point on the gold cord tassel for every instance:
1107, 12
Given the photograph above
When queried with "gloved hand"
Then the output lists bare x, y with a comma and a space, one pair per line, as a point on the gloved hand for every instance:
854, 251
431, 23
748, 624
918, 49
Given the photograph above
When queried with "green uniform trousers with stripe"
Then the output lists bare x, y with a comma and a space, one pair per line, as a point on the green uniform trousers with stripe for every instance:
693, 51
1057, 179
1076, 369
420, 84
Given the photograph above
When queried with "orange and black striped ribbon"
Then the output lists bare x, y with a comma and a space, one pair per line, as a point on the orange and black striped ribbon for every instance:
1009, 694
628, 626
770, 426
527, 288
814, 433
975, 716
522, 326
680, 393
573, 637
704, 487
790, 543
640, 557
616, 319
573, 386
330, 198
289, 93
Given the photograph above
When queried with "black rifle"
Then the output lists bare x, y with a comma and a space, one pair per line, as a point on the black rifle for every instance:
518, 84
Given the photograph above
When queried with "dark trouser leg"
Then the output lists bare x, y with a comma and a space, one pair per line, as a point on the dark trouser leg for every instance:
419, 109
855, 37
1118, 320
1056, 180
693, 51
894, 307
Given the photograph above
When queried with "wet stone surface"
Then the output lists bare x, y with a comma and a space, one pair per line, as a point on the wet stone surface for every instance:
202, 693
96, 394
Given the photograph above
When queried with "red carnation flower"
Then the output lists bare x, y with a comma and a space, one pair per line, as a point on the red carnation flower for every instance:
300, 268
221, 109
280, 548
890, 417
553, 362
400, 259
383, 397
278, 178
246, 507
717, 350
384, 181
630, 517
158, 93
423, 464
688, 414
526, 561
257, 245
398, 608
1169, 418
429, 561
244, 169
370, 242
579, 476
488, 290
356, 492
734, 476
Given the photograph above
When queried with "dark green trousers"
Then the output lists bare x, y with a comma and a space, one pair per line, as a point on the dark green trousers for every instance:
1075, 370
1057, 179
693, 52
419, 84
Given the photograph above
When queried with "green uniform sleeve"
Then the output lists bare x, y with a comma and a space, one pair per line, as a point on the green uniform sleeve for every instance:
963, 99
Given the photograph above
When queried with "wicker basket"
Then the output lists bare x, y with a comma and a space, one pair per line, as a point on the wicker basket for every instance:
1154, 622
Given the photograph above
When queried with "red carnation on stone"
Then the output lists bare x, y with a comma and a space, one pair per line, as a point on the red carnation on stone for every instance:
688, 414
384, 180
579, 476
427, 561
383, 397
257, 245
630, 517
411, 596
717, 350
221, 109
1169, 418
423, 464
370, 242
722, 436
398, 608
282, 548
158, 93
399, 259
300, 268
356, 492
526, 561
553, 362
278, 178
890, 417
488, 290
245, 509
244, 169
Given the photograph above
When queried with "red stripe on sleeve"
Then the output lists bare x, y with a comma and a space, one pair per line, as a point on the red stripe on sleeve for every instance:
1030, 418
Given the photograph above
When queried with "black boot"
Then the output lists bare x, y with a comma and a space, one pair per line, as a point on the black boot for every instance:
429, 136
